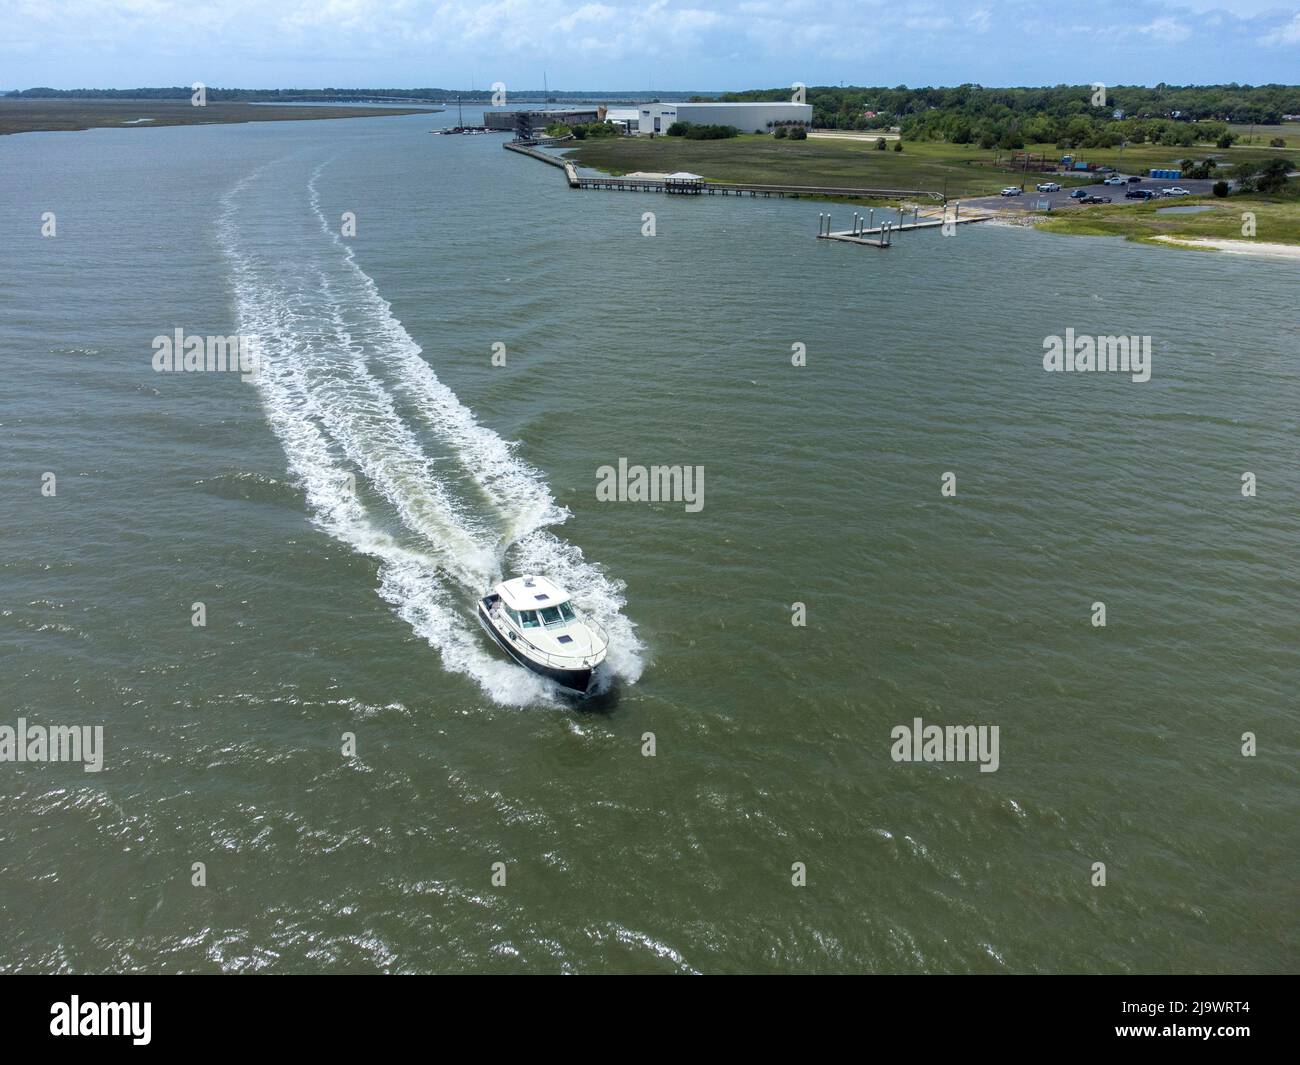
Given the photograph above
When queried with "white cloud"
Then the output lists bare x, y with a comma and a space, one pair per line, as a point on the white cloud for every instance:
1288, 33
619, 44
1169, 30
1240, 8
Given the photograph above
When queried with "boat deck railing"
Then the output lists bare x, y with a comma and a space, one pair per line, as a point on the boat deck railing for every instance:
559, 661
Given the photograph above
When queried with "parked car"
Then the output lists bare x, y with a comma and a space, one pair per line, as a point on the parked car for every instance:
1116, 180
1010, 190
1048, 186
1139, 194
1078, 194
1095, 199
1177, 190
1134, 180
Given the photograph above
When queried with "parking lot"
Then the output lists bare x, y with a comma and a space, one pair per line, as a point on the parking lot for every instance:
1029, 200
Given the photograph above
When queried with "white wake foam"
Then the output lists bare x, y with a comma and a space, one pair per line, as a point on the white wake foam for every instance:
347, 391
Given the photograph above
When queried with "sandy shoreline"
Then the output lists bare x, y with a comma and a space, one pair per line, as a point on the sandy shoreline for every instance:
1237, 247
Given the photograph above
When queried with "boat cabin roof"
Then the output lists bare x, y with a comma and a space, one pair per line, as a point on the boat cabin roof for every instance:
530, 593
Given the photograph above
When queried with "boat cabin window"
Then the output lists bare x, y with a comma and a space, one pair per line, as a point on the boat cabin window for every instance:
528, 619
560, 614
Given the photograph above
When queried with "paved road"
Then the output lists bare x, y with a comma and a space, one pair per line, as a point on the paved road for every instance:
1030, 199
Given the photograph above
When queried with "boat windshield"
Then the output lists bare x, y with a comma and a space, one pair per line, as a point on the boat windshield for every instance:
528, 619
560, 614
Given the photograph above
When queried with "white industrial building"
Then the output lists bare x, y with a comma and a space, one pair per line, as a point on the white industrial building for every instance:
625, 118
759, 117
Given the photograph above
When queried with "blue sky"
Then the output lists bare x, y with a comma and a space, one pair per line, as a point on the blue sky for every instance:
664, 44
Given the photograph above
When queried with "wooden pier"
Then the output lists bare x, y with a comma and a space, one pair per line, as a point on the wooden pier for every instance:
526, 149
700, 187
730, 188
622, 184
864, 231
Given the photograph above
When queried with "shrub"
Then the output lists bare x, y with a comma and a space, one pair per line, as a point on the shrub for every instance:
798, 134
697, 132
1277, 142
898, 145
593, 129
781, 133
880, 144
1272, 175
1220, 189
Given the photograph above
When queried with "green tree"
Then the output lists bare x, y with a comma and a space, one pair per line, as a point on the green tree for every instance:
1272, 175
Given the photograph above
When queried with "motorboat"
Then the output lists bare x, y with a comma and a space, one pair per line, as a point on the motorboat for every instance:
536, 624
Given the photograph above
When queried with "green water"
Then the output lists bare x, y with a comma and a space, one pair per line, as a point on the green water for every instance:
329, 612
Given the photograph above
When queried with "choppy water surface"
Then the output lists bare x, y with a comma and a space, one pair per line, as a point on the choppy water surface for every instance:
333, 611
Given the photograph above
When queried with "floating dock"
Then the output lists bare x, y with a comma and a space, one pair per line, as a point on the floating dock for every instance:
864, 231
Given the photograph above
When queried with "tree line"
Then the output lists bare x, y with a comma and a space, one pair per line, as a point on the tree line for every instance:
1083, 115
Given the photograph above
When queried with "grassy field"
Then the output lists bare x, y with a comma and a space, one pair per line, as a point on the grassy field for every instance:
30, 116
954, 169
1277, 219
765, 160
1258, 136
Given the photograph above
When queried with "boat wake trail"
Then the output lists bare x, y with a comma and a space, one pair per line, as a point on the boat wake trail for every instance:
390, 461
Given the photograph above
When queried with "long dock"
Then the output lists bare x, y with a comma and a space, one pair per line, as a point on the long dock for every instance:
711, 188
524, 149
818, 190
731, 188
